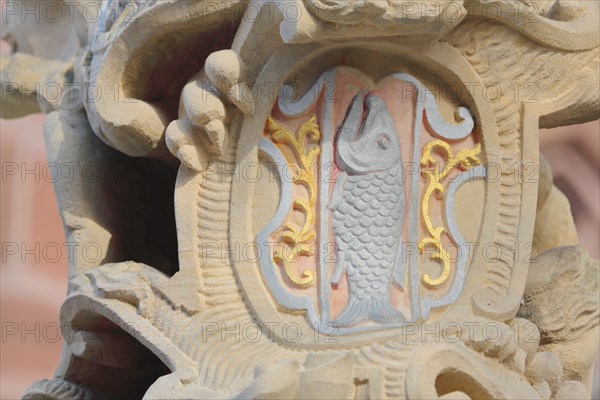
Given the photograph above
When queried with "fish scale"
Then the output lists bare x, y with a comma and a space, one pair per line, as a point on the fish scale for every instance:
370, 235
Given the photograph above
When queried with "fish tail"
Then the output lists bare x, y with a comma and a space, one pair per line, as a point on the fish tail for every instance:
382, 311
355, 311
372, 309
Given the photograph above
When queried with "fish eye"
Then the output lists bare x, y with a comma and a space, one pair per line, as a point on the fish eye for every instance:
383, 141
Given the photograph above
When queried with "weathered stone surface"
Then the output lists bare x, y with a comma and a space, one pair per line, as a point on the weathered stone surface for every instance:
344, 202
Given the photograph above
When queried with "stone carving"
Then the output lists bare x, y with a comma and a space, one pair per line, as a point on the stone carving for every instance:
569, 274
390, 151
363, 202
368, 212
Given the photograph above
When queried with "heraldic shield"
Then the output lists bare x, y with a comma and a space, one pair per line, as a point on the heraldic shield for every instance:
364, 234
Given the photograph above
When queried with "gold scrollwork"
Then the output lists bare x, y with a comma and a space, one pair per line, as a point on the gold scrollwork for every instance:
297, 240
466, 159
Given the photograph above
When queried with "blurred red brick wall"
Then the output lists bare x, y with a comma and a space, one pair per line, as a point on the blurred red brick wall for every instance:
33, 271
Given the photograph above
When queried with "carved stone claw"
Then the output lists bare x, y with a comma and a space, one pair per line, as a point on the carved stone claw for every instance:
225, 69
185, 144
202, 102
216, 132
203, 112
203, 107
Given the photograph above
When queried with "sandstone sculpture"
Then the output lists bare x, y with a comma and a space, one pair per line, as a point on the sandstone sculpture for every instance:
314, 198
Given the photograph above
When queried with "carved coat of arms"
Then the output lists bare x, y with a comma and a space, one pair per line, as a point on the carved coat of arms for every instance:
365, 234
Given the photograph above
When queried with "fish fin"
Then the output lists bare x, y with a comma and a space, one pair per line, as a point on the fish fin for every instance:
399, 265
377, 310
340, 267
382, 311
355, 311
336, 197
